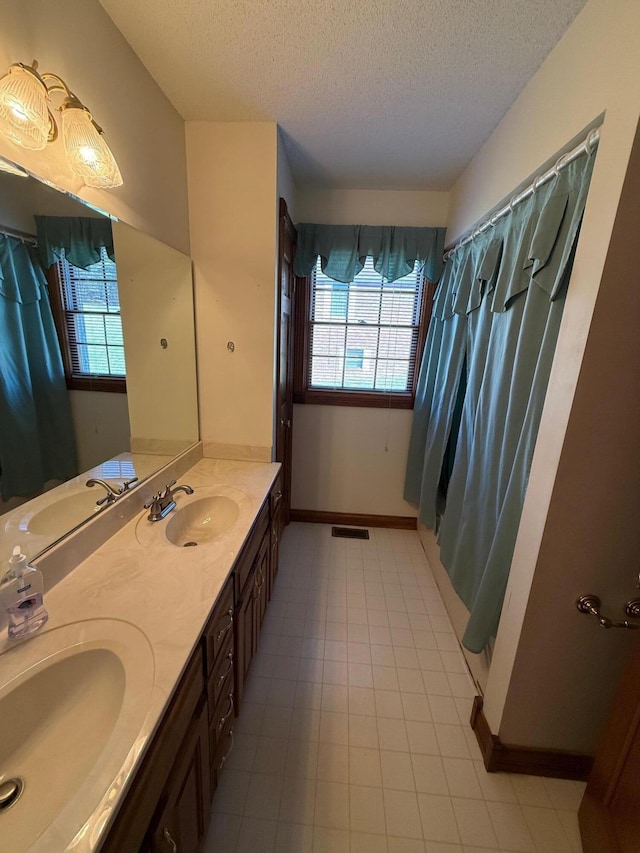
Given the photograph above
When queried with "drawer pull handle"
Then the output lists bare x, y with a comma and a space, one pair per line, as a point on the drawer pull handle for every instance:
228, 669
258, 584
167, 837
226, 628
224, 719
228, 752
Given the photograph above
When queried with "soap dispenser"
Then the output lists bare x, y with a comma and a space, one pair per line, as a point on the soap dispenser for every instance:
21, 592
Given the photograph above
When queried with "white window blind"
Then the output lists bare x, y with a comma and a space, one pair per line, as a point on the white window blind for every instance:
93, 326
364, 335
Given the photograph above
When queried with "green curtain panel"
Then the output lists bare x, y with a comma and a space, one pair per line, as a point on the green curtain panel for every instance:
497, 313
79, 239
36, 432
343, 250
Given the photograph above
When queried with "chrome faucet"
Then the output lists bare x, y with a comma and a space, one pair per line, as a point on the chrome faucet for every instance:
162, 503
113, 492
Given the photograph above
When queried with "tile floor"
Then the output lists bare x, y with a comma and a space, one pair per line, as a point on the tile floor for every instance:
354, 734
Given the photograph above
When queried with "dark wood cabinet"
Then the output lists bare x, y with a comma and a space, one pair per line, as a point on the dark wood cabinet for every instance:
276, 527
250, 614
254, 570
219, 628
150, 787
167, 806
183, 821
262, 582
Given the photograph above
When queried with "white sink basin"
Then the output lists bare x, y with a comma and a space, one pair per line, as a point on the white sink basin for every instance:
199, 519
202, 520
63, 514
72, 703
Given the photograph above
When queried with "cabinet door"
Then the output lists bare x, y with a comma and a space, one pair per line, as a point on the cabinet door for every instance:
183, 823
262, 582
276, 528
148, 793
245, 637
250, 614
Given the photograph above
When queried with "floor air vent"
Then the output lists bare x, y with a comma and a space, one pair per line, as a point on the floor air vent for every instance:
350, 532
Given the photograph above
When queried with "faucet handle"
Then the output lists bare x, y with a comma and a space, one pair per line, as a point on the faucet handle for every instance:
167, 488
153, 500
127, 484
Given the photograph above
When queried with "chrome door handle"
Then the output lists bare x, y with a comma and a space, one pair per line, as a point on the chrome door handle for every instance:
230, 708
227, 627
228, 753
228, 669
167, 837
632, 608
590, 604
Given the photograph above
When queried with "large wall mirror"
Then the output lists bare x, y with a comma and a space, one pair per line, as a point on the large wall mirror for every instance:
125, 332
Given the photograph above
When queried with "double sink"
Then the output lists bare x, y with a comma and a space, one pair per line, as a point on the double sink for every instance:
74, 700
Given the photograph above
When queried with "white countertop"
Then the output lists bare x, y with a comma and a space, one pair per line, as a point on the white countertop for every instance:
165, 591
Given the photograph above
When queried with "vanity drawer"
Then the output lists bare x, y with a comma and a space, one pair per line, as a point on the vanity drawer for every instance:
244, 563
224, 712
220, 626
221, 677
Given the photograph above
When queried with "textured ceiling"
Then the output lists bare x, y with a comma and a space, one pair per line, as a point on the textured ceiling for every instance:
377, 94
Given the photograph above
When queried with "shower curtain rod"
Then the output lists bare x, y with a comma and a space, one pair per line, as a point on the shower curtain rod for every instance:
24, 236
585, 147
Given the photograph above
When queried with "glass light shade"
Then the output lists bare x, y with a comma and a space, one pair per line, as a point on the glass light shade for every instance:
88, 154
24, 116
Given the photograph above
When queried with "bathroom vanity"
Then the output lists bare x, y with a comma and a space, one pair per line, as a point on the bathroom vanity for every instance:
189, 619
167, 807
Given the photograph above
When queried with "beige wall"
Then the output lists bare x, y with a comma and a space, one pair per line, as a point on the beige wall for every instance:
592, 69
372, 207
78, 41
232, 202
156, 302
350, 459
101, 426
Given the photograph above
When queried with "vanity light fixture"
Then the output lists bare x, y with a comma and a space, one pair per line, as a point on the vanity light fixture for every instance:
25, 118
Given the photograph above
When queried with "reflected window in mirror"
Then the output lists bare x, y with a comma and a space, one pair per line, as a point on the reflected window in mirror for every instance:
86, 307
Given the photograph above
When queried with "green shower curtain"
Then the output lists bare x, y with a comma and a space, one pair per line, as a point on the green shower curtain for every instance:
499, 305
36, 432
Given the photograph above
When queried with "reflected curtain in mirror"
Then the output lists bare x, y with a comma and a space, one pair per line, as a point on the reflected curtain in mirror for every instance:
36, 433
496, 317
78, 239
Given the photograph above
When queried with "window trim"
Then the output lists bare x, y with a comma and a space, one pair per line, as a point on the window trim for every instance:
339, 397
108, 384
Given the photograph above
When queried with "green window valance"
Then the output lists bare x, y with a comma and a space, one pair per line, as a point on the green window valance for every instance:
79, 239
343, 250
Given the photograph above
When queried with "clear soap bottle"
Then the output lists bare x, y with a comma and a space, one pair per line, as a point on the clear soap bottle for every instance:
21, 591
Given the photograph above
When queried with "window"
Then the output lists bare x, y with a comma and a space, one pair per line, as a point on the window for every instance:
361, 341
86, 308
